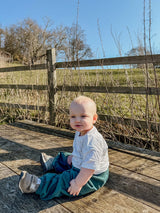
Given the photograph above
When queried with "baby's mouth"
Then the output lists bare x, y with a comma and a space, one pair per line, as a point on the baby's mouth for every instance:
78, 125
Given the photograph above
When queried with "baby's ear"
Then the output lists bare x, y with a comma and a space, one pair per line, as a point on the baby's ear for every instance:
95, 117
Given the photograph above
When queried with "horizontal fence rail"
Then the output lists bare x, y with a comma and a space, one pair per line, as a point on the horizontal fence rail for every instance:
25, 87
24, 68
22, 106
111, 61
154, 59
95, 89
123, 90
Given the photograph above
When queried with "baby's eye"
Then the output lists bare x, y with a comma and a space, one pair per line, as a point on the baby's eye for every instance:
72, 116
83, 116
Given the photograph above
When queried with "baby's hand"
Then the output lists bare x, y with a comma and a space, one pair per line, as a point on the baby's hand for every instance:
69, 159
74, 189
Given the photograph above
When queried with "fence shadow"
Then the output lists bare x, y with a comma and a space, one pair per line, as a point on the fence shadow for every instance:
12, 200
49, 130
134, 187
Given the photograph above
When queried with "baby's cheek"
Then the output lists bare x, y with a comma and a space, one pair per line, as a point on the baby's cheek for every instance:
71, 121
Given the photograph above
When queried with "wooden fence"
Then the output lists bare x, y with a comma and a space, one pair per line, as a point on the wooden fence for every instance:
52, 87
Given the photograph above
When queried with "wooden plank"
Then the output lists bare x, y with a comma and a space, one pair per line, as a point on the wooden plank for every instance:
134, 150
95, 62
26, 87
111, 61
12, 200
136, 163
24, 68
44, 128
118, 90
22, 106
97, 89
106, 200
135, 185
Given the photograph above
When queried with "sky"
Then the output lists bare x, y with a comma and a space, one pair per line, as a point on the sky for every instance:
103, 21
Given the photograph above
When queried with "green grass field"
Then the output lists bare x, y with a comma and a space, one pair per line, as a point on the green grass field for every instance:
104, 77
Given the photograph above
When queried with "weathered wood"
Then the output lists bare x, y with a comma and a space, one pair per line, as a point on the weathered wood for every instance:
126, 191
94, 62
133, 150
12, 200
105, 89
22, 106
111, 61
52, 83
25, 87
107, 200
24, 68
136, 185
136, 163
97, 89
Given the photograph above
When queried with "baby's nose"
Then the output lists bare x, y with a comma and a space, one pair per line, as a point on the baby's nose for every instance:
77, 119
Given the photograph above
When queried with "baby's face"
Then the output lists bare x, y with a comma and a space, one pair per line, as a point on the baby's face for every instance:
82, 117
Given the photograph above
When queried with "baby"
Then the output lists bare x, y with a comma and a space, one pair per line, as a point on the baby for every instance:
83, 171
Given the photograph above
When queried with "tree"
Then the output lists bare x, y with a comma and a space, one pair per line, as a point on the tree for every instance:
28, 40
11, 43
34, 39
137, 51
1, 38
70, 43
59, 41
76, 46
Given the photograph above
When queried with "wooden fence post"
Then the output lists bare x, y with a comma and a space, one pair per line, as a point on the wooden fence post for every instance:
52, 83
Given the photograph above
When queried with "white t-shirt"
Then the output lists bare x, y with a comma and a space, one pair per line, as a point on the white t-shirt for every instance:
90, 151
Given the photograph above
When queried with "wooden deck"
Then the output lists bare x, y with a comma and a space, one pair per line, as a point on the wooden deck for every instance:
133, 186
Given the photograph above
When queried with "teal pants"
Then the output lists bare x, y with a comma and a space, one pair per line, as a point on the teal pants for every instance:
56, 184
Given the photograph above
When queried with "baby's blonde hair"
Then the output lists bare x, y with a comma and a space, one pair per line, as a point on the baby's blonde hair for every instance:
84, 99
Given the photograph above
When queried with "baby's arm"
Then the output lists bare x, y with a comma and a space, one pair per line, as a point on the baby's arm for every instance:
82, 178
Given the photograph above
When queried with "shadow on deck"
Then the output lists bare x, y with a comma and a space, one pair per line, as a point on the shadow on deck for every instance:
133, 186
